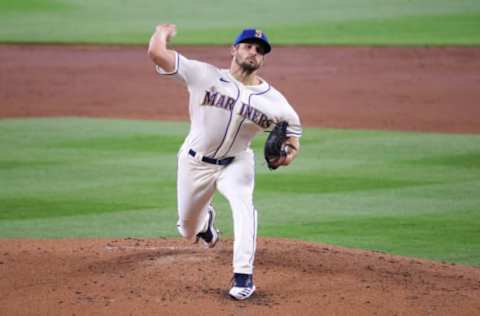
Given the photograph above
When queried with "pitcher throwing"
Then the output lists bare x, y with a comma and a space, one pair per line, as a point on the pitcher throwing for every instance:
227, 107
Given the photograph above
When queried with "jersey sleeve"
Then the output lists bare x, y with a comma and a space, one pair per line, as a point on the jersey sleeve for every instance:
294, 126
290, 115
188, 70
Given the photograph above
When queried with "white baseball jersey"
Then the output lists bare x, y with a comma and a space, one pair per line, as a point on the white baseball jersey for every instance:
225, 114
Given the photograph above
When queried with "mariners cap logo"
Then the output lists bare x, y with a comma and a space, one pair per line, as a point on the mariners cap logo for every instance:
256, 35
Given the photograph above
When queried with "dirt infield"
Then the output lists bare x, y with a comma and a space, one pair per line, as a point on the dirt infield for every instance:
417, 89
411, 89
172, 277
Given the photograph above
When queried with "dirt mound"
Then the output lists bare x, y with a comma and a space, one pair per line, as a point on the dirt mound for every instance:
174, 277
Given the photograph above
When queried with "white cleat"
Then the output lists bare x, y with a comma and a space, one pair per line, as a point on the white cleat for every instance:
243, 286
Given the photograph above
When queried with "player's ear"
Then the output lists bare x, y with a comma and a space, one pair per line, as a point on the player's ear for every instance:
233, 50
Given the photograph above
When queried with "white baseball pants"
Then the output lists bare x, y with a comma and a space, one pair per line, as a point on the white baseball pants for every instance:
196, 184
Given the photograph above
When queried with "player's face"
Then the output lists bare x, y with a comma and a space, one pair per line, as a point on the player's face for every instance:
249, 56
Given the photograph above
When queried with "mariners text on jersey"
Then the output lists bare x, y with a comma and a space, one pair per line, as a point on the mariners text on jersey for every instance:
214, 98
254, 115
219, 100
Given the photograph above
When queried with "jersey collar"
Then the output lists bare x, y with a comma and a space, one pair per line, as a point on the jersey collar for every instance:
259, 87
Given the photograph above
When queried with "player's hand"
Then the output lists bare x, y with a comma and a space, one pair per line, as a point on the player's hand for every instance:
287, 159
166, 31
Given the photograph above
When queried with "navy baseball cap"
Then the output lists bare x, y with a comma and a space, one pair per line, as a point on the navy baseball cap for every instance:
254, 35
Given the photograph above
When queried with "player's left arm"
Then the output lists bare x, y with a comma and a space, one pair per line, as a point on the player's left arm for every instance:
291, 145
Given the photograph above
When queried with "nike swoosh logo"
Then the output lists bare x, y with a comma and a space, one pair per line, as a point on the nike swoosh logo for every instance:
224, 80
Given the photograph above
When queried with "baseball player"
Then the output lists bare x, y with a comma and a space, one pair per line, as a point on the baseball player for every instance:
227, 107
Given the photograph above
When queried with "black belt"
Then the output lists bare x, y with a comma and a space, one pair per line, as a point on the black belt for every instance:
220, 162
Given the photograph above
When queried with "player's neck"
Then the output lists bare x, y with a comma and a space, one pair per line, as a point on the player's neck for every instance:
246, 78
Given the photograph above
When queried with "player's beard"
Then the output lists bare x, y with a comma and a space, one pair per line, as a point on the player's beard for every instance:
246, 66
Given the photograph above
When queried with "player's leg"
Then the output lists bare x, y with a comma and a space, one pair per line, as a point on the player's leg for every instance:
195, 188
236, 183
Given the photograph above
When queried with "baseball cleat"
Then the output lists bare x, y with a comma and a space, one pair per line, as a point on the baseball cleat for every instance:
242, 287
209, 237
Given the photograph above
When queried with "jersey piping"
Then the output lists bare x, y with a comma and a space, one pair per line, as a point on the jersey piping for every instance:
240, 125
229, 121
160, 70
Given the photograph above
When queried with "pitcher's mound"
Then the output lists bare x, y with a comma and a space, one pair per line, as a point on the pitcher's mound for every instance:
173, 277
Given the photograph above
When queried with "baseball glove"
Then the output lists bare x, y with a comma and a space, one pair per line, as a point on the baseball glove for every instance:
274, 145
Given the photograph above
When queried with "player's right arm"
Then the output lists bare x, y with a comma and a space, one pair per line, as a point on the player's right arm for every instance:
157, 48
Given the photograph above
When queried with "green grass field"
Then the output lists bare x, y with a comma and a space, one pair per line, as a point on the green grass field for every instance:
347, 22
405, 193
